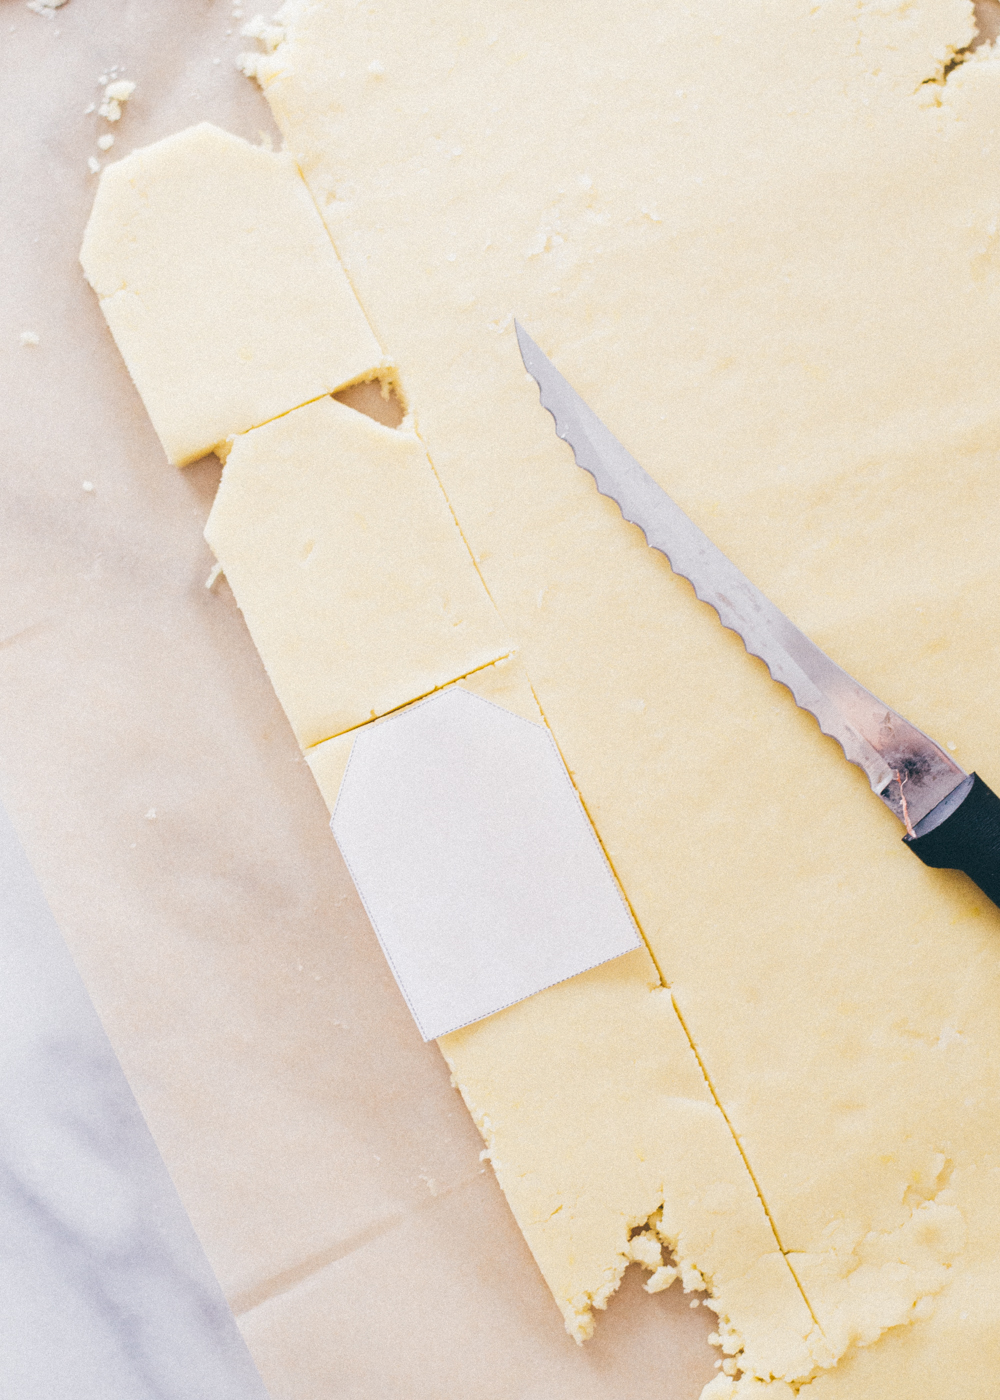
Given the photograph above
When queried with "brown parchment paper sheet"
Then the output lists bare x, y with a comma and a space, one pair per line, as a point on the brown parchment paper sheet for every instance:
329, 1168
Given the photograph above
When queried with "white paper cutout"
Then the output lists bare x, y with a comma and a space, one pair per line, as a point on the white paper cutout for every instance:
475, 860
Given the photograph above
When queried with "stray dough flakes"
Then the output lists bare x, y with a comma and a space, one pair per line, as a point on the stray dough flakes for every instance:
116, 94
269, 36
645, 1249
660, 1279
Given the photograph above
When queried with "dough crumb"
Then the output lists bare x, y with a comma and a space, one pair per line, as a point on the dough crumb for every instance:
660, 1279
87, 485
645, 1249
93, 164
151, 815
29, 338
116, 94
105, 142
268, 35
719, 1389
46, 7
214, 576
260, 66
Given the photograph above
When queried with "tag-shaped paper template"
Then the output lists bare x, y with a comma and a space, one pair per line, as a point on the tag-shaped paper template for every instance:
475, 860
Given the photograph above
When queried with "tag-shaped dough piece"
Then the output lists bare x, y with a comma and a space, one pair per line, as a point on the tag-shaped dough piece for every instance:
222, 288
356, 585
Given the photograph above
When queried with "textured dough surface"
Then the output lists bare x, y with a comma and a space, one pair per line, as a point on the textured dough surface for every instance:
763, 245
354, 580
221, 287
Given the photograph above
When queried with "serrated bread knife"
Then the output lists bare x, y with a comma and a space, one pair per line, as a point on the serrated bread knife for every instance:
952, 819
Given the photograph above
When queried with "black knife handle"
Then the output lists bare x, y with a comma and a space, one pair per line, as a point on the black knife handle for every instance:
968, 839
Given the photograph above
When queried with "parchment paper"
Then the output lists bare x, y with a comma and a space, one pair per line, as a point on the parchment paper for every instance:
330, 1170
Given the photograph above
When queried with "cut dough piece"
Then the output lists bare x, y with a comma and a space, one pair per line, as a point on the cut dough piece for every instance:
356, 585
596, 1116
221, 287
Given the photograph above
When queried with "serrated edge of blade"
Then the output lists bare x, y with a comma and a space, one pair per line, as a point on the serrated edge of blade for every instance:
855, 747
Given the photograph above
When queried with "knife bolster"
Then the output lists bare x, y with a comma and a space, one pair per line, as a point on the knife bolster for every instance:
968, 839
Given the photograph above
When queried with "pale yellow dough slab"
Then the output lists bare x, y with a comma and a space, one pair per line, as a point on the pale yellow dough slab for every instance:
280, 326
774, 270
354, 580
763, 244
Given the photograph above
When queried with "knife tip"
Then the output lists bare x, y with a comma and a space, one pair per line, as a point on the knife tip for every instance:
529, 350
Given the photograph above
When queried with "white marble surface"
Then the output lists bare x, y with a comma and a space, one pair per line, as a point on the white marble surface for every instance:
105, 1293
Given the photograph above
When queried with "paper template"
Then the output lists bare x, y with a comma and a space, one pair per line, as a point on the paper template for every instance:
476, 862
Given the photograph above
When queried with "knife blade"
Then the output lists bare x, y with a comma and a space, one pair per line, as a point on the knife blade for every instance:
952, 818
